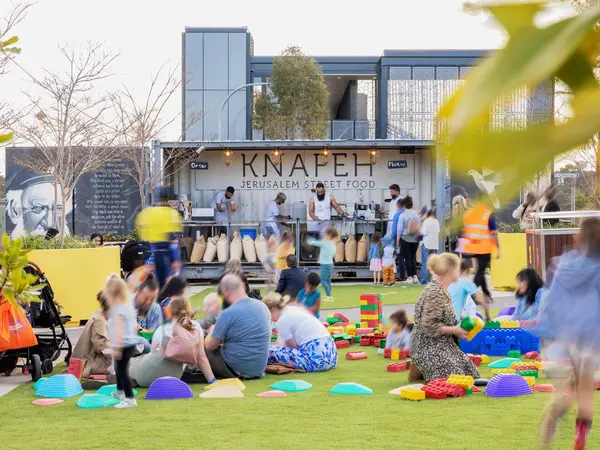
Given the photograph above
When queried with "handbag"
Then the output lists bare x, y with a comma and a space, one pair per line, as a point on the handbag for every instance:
184, 345
15, 329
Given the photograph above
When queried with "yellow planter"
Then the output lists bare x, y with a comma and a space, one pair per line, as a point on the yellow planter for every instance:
513, 259
76, 276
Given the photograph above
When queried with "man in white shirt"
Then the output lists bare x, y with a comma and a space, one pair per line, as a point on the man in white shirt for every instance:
272, 215
223, 203
393, 207
430, 229
319, 208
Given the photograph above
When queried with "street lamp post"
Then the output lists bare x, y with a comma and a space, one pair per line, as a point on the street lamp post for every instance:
227, 99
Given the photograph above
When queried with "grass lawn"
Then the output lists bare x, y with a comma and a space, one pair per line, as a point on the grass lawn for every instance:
347, 296
312, 419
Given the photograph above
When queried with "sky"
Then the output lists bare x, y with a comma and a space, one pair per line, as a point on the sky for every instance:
146, 33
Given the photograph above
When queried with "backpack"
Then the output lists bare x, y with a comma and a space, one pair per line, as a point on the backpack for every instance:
413, 227
184, 345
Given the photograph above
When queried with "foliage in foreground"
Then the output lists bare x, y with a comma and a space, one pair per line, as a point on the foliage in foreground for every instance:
41, 243
15, 284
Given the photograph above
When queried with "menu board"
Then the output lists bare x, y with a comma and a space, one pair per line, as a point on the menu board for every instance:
107, 201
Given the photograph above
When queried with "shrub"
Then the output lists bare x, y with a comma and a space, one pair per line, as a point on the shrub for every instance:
41, 243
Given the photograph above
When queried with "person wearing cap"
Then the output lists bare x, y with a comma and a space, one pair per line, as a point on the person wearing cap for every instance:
223, 203
272, 215
31, 206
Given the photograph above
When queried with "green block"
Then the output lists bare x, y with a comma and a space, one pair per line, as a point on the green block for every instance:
467, 324
273, 338
357, 325
469, 392
528, 373
493, 324
382, 343
333, 320
369, 307
514, 354
357, 339
337, 337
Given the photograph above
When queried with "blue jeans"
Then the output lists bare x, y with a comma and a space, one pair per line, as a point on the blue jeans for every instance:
425, 253
326, 276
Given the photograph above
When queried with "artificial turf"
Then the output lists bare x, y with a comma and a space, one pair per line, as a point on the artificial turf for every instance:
348, 296
311, 419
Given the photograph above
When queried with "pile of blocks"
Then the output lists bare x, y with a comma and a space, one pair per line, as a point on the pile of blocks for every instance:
371, 310
500, 341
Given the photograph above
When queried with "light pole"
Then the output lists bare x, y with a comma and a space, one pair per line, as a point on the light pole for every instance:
227, 99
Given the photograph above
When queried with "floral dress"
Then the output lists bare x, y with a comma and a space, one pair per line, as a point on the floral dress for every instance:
437, 355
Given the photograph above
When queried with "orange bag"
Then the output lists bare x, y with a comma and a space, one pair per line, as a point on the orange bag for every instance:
15, 329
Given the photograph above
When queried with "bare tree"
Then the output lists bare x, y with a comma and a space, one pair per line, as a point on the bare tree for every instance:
71, 129
141, 122
17, 13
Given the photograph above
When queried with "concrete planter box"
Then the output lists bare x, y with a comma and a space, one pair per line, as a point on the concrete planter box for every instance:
514, 258
76, 276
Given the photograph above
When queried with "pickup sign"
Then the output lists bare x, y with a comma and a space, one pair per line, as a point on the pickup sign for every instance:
397, 164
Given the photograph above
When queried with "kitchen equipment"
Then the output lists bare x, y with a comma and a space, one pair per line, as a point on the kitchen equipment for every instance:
374, 206
299, 211
360, 207
203, 214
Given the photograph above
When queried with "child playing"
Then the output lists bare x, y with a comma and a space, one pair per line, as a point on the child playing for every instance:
310, 296
326, 255
389, 279
375, 253
212, 308
570, 315
399, 335
123, 337
285, 248
464, 290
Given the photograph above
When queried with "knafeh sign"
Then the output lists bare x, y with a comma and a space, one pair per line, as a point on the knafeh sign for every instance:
303, 169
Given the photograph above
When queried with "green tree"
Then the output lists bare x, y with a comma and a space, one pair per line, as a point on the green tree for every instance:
297, 101
15, 284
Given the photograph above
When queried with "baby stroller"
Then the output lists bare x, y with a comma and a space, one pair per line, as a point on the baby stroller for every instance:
51, 342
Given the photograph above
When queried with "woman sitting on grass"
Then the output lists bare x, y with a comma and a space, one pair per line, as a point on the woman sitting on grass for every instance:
434, 348
308, 345
147, 368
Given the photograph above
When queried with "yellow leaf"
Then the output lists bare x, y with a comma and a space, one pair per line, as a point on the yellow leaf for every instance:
515, 17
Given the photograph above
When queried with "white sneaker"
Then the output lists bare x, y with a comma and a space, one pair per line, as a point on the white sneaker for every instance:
119, 395
408, 281
126, 403
415, 280
328, 299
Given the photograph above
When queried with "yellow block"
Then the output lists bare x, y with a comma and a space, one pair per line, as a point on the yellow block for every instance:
351, 330
463, 381
509, 324
504, 269
412, 394
485, 359
479, 324
364, 325
497, 371
369, 317
530, 381
335, 330
234, 382
395, 356
363, 302
77, 275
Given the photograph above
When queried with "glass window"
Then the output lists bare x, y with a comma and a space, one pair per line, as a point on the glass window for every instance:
237, 116
238, 56
212, 104
193, 120
464, 71
193, 60
423, 73
447, 73
400, 73
216, 61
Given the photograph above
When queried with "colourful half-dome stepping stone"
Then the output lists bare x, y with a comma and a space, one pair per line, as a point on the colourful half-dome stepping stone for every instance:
92, 401
47, 401
60, 386
291, 386
109, 389
508, 385
235, 382
503, 363
168, 388
223, 392
543, 388
38, 383
351, 389
272, 394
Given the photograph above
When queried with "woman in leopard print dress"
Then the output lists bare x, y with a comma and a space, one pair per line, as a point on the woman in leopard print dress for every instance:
434, 350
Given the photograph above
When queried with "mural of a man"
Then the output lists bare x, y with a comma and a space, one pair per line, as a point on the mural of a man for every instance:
30, 206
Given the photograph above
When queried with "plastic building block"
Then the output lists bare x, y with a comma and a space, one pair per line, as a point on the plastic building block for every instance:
504, 363
451, 390
469, 391
476, 359
398, 367
465, 382
395, 354
60, 386
532, 355
485, 359
473, 325
353, 356
271, 394
351, 389
168, 388
364, 330
335, 330
530, 381
47, 401
338, 337
342, 344
235, 382
475, 389
382, 343
387, 353
341, 317
223, 392
356, 339
365, 341
291, 385
404, 353
493, 324
509, 324
412, 394
499, 371
92, 401
108, 389
543, 388
333, 320
514, 354
523, 366
467, 323
398, 390
507, 385
528, 373
351, 330
435, 393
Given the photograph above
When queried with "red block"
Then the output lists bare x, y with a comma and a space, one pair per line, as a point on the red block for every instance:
341, 317
375, 342
342, 344
476, 359
404, 353
476, 389
398, 367
353, 356
370, 297
450, 389
455, 391
76, 367
364, 330
365, 341
532, 355
387, 352
434, 392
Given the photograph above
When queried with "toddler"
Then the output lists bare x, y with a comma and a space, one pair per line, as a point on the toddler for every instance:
212, 308
310, 296
123, 337
399, 335
327, 245
285, 248
375, 253
389, 279
463, 291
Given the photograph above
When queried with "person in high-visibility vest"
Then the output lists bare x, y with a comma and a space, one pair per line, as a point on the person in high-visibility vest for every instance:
480, 229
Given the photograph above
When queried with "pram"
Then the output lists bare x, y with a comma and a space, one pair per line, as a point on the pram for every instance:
42, 315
